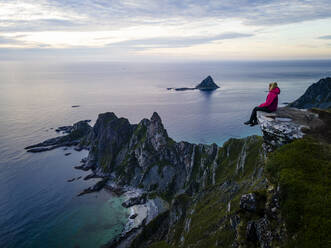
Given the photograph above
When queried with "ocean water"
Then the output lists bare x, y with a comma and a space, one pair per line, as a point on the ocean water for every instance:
38, 207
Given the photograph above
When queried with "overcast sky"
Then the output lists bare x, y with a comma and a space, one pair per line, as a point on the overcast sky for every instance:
165, 29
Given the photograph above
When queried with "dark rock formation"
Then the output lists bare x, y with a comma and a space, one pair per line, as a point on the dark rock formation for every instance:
144, 156
64, 129
206, 84
135, 201
98, 186
318, 95
133, 216
248, 202
182, 89
251, 232
76, 133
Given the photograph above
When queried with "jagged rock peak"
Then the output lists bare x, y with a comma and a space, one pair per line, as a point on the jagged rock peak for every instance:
156, 132
106, 117
156, 123
207, 84
156, 118
317, 95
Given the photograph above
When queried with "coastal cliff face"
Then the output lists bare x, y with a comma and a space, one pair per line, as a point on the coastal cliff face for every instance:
256, 199
144, 156
242, 194
214, 192
265, 191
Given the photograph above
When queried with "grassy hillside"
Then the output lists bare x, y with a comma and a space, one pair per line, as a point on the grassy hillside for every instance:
302, 170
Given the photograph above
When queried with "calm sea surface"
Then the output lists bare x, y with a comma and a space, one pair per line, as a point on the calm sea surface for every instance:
38, 207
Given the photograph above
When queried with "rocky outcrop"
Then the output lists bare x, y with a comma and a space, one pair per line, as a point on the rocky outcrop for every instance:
318, 95
75, 134
97, 187
206, 84
144, 156
248, 202
287, 124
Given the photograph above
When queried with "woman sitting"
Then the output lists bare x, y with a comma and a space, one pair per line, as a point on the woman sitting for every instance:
269, 106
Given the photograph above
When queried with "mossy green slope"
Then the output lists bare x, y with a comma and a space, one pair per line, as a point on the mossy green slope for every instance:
302, 170
205, 217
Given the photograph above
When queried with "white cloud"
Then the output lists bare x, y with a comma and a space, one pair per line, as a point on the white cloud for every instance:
193, 28
32, 10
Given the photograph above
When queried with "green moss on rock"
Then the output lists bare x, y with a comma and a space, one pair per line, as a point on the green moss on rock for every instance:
302, 170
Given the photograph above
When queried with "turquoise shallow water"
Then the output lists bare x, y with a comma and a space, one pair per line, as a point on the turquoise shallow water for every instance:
38, 207
94, 221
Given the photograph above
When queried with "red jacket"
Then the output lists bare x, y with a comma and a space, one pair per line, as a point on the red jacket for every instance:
272, 100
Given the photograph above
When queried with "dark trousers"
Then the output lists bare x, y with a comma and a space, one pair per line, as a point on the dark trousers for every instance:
253, 115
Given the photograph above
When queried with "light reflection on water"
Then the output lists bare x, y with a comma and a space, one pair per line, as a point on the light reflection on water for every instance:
37, 202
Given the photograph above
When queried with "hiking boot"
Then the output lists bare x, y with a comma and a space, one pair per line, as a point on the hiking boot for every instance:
248, 123
254, 123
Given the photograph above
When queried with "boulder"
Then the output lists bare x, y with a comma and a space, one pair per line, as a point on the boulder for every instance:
248, 202
141, 199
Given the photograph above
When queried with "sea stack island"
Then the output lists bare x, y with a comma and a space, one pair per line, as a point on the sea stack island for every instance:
206, 84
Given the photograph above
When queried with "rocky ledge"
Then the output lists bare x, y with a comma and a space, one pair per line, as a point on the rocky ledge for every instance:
288, 124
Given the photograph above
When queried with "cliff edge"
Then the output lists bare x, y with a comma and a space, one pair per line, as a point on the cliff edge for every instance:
288, 124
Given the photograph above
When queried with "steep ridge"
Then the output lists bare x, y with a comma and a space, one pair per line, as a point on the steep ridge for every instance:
318, 95
145, 157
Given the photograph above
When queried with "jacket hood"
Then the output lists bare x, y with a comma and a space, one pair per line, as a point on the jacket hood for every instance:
275, 90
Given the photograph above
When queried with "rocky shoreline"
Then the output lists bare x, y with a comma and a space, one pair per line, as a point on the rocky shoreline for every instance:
143, 207
141, 214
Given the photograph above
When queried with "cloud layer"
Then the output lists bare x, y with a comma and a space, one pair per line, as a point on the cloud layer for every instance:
149, 24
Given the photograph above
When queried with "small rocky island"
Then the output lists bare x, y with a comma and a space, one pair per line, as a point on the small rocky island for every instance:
206, 84
251, 192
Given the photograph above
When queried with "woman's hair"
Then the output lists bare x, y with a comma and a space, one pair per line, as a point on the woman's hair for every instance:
273, 85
